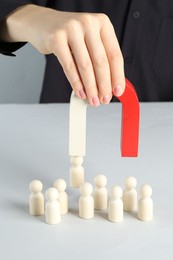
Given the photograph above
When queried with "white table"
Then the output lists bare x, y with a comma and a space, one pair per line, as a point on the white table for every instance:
34, 145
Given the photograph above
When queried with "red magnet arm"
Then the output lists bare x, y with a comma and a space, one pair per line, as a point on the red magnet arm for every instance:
130, 121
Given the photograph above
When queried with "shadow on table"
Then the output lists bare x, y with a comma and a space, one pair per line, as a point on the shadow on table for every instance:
23, 209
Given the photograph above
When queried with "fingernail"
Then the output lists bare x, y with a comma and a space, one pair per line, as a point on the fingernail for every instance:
106, 99
82, 94
118, 91
95, 101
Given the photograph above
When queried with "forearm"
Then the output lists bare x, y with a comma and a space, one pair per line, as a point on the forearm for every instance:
15, 27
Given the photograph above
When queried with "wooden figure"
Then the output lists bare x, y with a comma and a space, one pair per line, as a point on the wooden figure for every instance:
61, 185
76, 171
145, 204
36, 198
130, 194
86, 201
53, 212
100, 193
115, 205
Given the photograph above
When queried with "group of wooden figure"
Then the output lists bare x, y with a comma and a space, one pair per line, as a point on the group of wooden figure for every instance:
116, 201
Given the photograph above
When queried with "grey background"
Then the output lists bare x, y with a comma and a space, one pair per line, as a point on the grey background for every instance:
21, 76
34, 145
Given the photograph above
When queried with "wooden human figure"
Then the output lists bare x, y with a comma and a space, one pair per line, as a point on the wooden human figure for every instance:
36, 198
76, 171
61, 185
145, 204
53, 212
100, 192
130, 194
86, 201
115, 205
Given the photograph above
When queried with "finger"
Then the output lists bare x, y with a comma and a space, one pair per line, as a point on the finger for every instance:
115, 58
85, 67
65, 57
100, 64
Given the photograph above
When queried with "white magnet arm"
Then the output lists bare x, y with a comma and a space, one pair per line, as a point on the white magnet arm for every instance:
77, 126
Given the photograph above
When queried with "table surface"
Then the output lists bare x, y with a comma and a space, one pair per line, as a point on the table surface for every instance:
34, 145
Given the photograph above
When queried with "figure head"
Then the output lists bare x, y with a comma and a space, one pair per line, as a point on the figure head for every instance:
52, 194
60, 185
116, 192
100, 180
145, 191
86, 189
35, 186
130, 183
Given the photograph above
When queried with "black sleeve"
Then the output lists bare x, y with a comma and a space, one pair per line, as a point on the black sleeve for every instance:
6, 7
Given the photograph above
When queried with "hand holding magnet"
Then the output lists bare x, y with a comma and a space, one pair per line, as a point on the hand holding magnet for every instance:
129, 128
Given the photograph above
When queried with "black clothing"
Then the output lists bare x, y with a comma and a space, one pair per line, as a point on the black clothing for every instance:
145, 33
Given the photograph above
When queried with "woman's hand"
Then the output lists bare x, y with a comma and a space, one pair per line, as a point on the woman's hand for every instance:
85, 44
